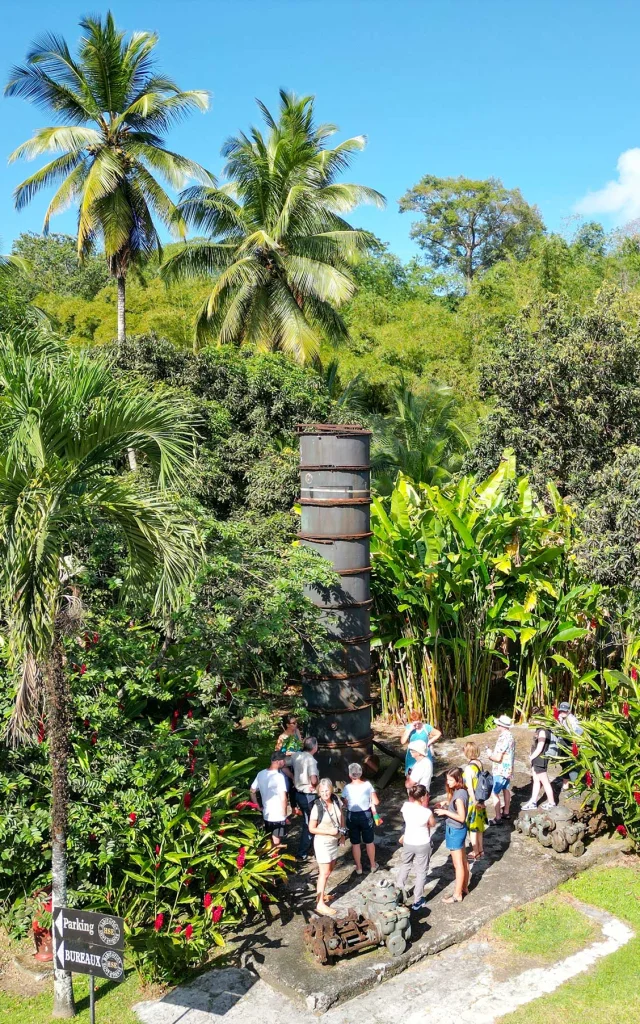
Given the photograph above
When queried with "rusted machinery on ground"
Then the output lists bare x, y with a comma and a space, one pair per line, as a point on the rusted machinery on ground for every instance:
335, 498
378, 919
558, 828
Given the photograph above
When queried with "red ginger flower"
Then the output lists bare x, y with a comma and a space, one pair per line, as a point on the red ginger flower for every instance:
189, 713
157, 848
48, 906
177, 930
95, 638
86, 723
636, 797
281, 864
41, 732
574, 749
187, 801
242, 856
621, 829
82, 669
243, 805
94, 738
634, 674
589, 779
157, 865
556, 714
207, 901
206, 818
133, 817
217, 913
188, 932
625, 709
607, 775
158, 923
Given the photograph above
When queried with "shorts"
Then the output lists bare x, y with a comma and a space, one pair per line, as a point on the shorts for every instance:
540, 764
275, 828
360, 827
500, 784
455, 838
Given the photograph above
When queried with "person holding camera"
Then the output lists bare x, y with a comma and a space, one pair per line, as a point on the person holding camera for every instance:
362, 800
326, 825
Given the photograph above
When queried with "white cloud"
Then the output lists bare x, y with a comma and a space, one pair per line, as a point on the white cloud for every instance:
621, 198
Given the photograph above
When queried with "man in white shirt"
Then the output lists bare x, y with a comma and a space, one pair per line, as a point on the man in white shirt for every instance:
305, 776
272, 786
422, 771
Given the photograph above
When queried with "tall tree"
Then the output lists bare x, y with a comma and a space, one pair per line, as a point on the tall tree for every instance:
64, 422
114, 110
468, 225
278, 248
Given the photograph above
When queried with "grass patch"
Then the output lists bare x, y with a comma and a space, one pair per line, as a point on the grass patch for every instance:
113, 1003
548, 929
610, 992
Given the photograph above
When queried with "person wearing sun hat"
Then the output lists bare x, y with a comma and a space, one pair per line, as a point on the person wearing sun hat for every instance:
503, 756
422, 771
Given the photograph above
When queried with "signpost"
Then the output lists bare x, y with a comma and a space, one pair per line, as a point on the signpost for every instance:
89, 943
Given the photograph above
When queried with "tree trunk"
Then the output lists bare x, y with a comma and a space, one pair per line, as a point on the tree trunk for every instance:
59, 717
122, 320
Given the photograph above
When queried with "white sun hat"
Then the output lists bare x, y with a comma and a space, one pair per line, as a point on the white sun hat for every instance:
419, 746
504, 721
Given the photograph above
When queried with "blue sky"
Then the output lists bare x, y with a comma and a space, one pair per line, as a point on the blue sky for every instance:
541, 93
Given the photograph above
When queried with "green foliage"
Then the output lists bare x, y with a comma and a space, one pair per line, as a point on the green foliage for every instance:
548, 929
278, 246
467, 576
54, 267
563, 383
469, 225
608, 753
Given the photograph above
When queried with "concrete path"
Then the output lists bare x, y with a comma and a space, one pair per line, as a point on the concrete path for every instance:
467, 984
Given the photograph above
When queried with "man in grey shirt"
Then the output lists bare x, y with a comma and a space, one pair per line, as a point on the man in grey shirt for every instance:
305, 780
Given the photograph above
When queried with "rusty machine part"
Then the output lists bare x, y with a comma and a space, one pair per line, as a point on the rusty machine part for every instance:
378, 919
557, 828
335, 480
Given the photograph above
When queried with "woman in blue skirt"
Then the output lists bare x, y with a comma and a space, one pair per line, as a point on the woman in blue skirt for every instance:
454, 809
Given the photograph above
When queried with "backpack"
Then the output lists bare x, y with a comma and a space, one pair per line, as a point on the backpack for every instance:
484, 786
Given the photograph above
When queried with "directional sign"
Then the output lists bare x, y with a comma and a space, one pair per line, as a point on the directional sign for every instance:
89, 943
86, 927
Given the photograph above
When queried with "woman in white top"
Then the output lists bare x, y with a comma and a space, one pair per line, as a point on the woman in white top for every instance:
326, 822
419, 823
361, 799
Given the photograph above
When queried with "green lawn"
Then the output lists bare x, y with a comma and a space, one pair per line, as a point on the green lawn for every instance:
548, 929
610, 992
113, 1003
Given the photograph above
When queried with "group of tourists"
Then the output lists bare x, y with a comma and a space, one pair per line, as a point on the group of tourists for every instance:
292, 780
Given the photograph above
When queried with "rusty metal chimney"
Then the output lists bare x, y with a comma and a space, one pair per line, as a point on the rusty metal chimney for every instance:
335, 472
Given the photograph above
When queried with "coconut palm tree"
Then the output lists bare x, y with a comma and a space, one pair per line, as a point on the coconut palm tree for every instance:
277, 245
114, 110
419, 438
64, 422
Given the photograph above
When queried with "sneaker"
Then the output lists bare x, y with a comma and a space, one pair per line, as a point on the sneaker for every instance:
530, 806
419, 904
358, 871
547, 806
374, 868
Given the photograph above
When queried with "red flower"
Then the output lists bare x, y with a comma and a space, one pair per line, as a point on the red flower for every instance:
157, 865
48, 906
634, 674
206, 818
41, 732
158, 923
589, 779
242, 856
242, 805
189, 713
95, 638
636, 797
133, 817
196, 743
189, 870
177, 930
281, 864
217, 913
94, 738
86, 723
187, 801
157, 849
574, 749
92, 837
621, 829
594, 623
556, 714
207, 901
607, 775
625, 709
173, 724
82, 669
188, 932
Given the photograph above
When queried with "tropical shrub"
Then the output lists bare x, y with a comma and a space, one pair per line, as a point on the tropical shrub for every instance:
195, 861
608, 753
468, 577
